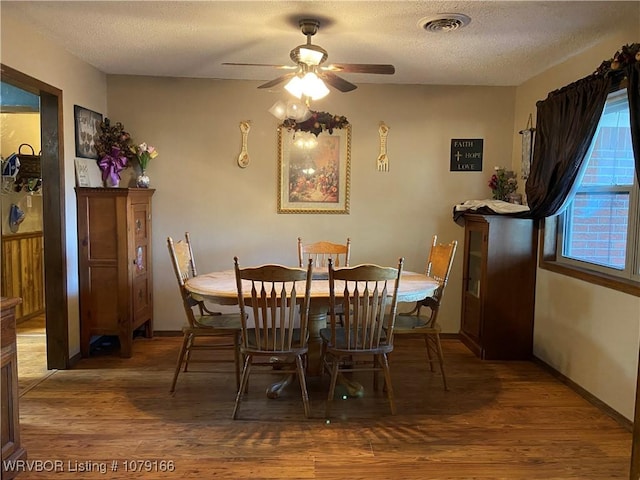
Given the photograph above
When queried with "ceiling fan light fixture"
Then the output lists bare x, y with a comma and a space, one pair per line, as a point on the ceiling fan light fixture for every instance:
295, 110
311, 56
279, 110
310, 85
294, 87
298, 111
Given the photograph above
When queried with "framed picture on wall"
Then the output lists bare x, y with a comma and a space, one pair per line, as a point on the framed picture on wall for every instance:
314, 172
87, 123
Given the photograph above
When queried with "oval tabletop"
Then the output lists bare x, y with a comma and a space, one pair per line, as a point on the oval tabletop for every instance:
221, 286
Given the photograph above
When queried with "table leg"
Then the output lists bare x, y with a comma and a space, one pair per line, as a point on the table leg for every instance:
317, 321
274, 390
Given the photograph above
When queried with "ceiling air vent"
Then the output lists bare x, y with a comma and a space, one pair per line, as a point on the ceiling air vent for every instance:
444, 22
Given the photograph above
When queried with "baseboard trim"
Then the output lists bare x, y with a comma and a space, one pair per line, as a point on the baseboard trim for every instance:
74, 360
167, 333
450, 336
595, 401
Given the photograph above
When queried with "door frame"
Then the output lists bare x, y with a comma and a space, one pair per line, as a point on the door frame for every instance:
54, 224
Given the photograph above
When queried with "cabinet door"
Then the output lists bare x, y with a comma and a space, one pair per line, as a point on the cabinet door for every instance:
141, 266
473, 279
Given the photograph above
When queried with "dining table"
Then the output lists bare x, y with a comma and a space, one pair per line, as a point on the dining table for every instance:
220, 287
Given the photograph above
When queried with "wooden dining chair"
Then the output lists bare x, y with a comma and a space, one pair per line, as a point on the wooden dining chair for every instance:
202, 322
369, 296
321, 252
277, 298
412, 323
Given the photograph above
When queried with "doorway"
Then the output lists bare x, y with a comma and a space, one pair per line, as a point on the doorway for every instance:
53, 222
22, 238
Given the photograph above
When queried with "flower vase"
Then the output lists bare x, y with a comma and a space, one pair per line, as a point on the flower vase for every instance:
112, 183
143, 180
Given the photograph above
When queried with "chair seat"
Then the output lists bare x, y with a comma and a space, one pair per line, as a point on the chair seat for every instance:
341, 342
414, 324
227, 321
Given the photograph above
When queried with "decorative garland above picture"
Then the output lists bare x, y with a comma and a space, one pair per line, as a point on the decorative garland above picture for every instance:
317, 123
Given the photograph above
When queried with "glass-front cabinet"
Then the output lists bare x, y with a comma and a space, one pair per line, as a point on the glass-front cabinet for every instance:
474, 256
498, 286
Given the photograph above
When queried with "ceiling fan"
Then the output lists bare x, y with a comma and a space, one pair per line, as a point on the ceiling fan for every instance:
309, 61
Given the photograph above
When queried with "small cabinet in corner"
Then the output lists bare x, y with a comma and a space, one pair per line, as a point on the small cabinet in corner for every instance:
115, 268
12, 450
498, 289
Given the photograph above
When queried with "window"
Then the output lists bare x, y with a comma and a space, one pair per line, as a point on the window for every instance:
599, 230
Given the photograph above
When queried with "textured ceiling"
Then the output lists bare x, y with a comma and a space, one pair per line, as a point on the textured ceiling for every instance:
506, 43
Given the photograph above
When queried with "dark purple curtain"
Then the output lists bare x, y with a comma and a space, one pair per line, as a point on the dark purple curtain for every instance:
633, 93
566, 123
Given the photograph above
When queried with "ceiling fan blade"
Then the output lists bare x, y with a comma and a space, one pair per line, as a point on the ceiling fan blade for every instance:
277, 81
361, 68
337, 82
282, 67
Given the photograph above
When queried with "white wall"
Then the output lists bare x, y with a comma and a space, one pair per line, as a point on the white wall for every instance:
586, 332
25, 50
230, 211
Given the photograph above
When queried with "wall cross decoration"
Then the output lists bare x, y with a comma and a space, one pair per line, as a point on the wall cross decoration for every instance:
466, 154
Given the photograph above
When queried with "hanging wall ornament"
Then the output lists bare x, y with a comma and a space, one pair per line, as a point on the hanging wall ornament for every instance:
383, 160
243, 158
527, 148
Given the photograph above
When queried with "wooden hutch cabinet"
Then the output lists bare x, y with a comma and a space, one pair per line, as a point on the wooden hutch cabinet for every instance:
115, 270
12, 450
498, 287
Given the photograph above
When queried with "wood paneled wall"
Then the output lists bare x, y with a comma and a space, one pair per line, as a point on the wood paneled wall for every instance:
23, 272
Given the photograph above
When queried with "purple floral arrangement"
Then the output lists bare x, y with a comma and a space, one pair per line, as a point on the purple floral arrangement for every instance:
113, 147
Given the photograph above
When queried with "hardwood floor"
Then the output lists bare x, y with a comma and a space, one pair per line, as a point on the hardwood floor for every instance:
500, 420
32, 353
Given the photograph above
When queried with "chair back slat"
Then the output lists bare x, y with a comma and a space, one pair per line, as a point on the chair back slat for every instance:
439, 264
369, 298
321, 252
184, 267
179, 253
278, 299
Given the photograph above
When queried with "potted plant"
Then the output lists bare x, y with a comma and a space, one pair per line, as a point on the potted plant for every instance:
503, 183
144, 153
